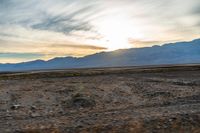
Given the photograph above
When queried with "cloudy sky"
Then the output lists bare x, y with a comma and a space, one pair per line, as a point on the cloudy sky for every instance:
44, 29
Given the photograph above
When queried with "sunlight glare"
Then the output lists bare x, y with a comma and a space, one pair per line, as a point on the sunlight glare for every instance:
116, 32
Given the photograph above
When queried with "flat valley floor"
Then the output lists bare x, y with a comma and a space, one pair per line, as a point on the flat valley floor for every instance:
102, 100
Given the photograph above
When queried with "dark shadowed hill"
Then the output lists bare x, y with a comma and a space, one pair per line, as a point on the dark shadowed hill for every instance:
174, 53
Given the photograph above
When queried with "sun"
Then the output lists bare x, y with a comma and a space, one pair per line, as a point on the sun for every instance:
116, 32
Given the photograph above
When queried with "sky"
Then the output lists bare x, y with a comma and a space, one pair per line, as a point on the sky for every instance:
44, 29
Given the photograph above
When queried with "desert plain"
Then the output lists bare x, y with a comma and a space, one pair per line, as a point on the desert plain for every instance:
152, 99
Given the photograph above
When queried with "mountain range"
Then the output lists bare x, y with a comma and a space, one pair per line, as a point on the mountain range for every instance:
172, 53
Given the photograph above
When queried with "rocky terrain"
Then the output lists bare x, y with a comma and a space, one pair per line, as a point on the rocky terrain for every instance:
101, 100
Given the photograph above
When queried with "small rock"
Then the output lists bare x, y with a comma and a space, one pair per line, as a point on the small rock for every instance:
158, 127
33, 115
16, 106
170, 120
33, 107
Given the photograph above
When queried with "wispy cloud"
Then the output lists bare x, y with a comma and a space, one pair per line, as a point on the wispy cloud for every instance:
82, 27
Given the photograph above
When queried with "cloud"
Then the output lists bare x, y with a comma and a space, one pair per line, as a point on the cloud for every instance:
73, 27
83, 46
65, 22
196, 11
144, 43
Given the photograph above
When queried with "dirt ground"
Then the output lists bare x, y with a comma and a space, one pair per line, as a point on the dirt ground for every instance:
102, 100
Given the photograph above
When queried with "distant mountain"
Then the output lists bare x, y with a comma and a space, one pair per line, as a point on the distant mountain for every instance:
173, 53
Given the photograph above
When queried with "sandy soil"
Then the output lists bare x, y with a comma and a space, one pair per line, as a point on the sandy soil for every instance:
119, 100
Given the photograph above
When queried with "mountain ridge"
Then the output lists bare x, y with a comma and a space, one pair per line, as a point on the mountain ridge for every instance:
171, 53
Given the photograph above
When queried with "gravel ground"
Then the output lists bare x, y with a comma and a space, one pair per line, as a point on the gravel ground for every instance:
118, 100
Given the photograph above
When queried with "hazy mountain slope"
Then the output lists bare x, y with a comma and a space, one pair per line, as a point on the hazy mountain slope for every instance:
176, 53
